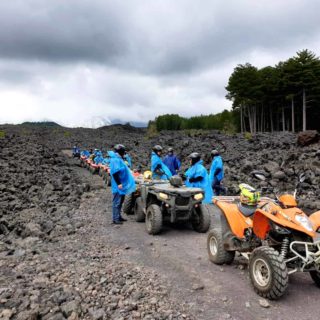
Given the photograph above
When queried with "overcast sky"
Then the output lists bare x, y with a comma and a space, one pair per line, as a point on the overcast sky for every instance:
80, 61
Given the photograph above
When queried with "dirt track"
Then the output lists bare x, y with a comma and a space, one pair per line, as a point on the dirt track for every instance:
179, 256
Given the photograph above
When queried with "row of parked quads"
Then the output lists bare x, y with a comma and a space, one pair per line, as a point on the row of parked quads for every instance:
276, 236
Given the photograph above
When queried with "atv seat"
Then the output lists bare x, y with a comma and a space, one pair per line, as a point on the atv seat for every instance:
247, 210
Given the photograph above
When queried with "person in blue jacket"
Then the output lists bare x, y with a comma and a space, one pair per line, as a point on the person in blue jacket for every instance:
159, 170
216, 172
197, 177
122, 181
172, 162
76, 152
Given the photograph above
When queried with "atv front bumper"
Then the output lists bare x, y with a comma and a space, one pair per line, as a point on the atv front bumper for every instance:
306, 253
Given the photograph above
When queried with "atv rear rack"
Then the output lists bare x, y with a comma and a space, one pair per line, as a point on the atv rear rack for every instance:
309, 258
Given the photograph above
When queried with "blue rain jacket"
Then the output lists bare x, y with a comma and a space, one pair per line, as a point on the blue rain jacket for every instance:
98, 159
105, 161
75, 150
128, 159
85, 153
217, 163
98, 153
117, 165
155, 161
198, 170
173, 163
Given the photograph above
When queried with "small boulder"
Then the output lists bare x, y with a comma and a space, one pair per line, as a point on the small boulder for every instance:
308, 137
280, 175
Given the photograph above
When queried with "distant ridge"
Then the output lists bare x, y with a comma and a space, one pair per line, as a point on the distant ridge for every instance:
41, 124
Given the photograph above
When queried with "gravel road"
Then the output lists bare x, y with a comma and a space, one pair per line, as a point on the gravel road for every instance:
179, 256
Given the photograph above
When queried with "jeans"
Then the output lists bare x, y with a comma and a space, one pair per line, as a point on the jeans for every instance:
117, 201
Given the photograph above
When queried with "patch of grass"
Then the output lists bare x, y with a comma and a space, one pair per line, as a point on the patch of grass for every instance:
67, 134
2, 134
247, 136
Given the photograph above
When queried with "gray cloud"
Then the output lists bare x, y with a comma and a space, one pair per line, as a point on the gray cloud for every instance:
136, 59
155, 36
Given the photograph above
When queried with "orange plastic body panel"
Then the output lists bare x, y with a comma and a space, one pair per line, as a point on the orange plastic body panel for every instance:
136, 174
283, 217
260, 225
237, 221
288, 200
315, 220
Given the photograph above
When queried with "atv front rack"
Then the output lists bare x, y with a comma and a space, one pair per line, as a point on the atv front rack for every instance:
310, 257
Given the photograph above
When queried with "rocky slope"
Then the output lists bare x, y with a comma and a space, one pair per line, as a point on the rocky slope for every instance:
279, 154
54, 263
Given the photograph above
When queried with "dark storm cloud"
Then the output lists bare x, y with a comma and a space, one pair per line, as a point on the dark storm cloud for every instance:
153, 37
60, 31
78, 62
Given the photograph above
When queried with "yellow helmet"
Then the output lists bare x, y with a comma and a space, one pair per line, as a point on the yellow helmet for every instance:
248, 195
147, 175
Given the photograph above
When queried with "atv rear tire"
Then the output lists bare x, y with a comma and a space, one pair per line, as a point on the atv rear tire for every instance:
215, 247
100, 172
268, 273
128, 204
138, 211
201, 219
315, 275
153, 219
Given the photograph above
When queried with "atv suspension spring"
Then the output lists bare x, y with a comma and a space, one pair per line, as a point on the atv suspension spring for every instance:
284, 247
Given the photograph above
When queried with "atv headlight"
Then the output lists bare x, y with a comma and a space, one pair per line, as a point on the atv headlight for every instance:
198, 196
163, 196
304, 222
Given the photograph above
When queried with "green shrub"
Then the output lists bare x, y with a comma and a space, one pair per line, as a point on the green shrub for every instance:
247, 136
2, 134
67, 134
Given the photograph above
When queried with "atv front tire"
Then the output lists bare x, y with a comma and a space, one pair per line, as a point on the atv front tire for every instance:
128, 204
268, 273
216, 251
201, 219
315, 275
138, 211
154, 219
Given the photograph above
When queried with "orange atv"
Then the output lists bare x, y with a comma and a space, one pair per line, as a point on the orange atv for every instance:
276, 236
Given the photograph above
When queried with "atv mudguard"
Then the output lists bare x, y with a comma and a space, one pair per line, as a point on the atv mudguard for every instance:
237, 222
282, 217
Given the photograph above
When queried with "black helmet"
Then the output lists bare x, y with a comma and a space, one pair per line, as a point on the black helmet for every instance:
195, 157
170, 149
157, 148
214, 153
119, 148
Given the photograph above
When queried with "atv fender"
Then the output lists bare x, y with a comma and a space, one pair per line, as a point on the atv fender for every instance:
261, 220
260, 225
237, 222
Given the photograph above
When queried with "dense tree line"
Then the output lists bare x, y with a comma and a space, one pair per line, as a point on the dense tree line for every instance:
226, 121
283, 97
